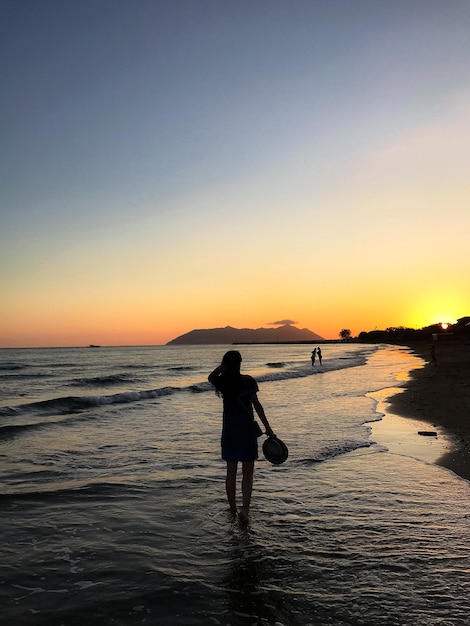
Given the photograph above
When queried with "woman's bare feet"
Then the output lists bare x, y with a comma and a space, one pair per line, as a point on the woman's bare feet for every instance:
243, 516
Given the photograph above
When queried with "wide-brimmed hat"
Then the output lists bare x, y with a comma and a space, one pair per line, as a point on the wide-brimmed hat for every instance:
275, 450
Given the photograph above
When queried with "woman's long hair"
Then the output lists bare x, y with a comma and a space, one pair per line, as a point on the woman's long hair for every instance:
229, 382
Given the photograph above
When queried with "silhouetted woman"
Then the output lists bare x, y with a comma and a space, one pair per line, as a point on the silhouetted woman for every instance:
239, 437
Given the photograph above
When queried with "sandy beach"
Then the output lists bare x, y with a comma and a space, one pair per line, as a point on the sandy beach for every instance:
439, 394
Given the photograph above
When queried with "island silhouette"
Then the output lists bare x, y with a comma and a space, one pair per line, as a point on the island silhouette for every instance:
229, 335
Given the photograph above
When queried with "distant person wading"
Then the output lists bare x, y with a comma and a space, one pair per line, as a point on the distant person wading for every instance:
319, 354
239, 436
314, 354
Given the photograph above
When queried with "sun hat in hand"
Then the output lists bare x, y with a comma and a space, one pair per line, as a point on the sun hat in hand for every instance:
275, 450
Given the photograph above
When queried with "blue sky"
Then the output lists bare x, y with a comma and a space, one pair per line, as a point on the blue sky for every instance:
183, 155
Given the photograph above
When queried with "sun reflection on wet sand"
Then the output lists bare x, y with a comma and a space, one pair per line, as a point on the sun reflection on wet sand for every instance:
400, 434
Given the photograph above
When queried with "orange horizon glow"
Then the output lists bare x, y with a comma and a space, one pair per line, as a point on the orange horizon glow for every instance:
53, 336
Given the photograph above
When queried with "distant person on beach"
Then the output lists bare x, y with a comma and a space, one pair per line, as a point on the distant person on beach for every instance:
239, 437
314, 354
319, 354
433, 355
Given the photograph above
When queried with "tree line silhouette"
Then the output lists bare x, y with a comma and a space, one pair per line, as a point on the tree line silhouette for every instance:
401, 334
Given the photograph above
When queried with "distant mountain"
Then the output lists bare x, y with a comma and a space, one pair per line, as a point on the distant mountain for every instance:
230, 335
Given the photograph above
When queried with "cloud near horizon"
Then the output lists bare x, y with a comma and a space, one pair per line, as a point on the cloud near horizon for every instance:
281, 322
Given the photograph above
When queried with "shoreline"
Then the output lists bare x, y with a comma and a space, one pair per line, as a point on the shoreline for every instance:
439, 395
400, 434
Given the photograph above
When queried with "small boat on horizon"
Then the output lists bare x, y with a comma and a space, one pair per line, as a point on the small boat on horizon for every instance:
92, 345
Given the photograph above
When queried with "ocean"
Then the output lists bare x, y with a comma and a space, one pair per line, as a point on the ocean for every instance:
113, 502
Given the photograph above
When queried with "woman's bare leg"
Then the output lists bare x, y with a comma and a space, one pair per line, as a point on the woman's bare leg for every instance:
247, 488
231, 485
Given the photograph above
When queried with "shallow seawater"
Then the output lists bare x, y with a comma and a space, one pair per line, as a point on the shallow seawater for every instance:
113, 509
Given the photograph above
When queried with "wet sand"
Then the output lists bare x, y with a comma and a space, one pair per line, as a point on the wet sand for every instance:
439, 394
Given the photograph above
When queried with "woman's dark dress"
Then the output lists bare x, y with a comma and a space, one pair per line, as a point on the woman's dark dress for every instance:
239, 440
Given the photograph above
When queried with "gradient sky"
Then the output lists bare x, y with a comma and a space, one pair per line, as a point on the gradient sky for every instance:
180, 164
